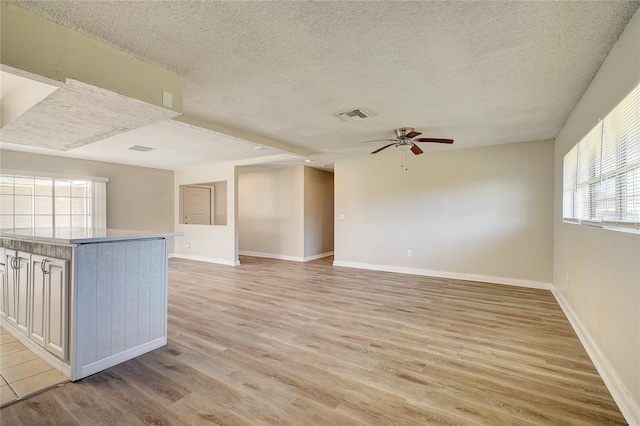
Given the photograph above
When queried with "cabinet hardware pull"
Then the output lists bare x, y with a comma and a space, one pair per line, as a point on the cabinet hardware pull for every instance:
43, 266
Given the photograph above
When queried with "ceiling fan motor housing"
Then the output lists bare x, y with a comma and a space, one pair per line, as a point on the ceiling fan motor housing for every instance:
401, 132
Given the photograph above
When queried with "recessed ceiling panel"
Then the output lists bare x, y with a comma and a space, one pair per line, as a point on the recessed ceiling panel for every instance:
78, 114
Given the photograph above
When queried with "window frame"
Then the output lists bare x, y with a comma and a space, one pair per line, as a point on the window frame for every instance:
94, 200
609, 151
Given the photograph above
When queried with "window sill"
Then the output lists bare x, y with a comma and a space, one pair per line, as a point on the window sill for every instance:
629, 229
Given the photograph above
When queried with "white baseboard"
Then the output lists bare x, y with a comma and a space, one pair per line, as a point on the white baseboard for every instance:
453, 275
204, 259
53, 361
285, 257
317, 256
621, 396
116, 359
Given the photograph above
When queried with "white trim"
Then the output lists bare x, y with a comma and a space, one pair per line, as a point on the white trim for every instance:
267, 159
42, 353
453, 275
116, 359
271, 255
27, 173
204, 259
285, 257
317, 256
621, 396
633, 228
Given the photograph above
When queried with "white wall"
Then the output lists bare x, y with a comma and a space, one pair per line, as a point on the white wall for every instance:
271, 212
137, 197
212, 243
596, 271
318, 212
481, 213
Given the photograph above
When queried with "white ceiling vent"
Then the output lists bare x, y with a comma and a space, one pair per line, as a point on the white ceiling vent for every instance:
354, 115
140, 148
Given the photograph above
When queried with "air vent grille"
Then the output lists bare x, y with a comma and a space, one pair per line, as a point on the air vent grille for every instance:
140, 148
353, 115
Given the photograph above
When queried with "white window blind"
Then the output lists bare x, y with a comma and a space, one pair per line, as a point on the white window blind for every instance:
601, 174
45, 202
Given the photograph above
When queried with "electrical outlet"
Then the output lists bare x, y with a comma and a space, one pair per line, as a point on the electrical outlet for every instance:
188, 244
409, 253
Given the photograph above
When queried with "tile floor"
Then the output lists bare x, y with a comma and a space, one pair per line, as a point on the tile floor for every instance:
22, 373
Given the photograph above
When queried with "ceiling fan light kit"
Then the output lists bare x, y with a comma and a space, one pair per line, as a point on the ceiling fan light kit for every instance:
405, 140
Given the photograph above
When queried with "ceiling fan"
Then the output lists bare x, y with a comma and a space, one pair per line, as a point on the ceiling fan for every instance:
407, 137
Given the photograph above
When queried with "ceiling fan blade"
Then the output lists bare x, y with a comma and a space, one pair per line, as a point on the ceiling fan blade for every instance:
416, 150
381, 140
384, 147
413, 134
434, 140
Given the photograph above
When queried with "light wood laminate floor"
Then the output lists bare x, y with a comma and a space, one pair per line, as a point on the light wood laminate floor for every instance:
285, 343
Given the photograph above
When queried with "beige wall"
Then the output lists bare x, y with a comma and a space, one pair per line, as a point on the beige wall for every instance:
318, 212
481, 213
220, 203
271, 212
35, 44
137, 197
597, 271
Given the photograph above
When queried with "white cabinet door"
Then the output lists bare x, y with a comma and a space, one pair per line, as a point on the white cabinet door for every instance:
56, 301
23, 271
11, 279
38, 298
3, 284
48, 306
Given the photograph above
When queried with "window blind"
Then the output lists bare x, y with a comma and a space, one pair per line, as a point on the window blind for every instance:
601, 174
39, 201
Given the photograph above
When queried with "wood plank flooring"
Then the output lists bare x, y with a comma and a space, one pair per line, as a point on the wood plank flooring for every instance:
285, 343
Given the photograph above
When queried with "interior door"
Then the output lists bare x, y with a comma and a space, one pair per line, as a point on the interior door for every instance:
197, 205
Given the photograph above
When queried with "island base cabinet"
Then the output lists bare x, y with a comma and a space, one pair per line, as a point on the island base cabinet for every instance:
120, 303
85, 303
48, 325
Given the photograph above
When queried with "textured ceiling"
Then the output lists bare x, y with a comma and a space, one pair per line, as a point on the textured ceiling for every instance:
482, 73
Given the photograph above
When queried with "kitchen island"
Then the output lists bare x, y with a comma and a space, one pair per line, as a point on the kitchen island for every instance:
84, 299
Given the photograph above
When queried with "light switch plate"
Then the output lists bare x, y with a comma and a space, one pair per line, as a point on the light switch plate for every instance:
167, 99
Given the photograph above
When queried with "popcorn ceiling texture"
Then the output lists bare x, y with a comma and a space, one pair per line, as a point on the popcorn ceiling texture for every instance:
78, 114
482, 73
